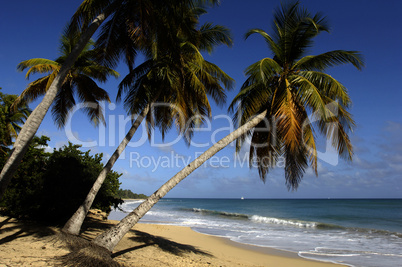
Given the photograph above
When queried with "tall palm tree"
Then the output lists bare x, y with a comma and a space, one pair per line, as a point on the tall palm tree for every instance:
80, 81
12, 117
177, 76
285, 87
87, 19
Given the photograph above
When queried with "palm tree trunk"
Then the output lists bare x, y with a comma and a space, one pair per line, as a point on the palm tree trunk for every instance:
33, 122
73, 225
110, 238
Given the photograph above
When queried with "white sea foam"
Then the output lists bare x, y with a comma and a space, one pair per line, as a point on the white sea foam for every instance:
129, 205
269, 220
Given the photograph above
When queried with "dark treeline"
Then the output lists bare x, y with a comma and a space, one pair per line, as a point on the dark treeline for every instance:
127, 193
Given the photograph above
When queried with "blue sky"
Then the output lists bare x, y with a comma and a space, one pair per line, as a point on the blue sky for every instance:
32, 29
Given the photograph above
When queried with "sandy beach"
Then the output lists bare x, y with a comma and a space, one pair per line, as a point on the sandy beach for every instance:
30, 244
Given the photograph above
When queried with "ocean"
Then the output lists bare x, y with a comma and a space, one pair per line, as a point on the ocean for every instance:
355, 232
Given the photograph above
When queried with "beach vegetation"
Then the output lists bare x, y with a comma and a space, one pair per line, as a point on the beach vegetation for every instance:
21, 196
12, 117
48, 186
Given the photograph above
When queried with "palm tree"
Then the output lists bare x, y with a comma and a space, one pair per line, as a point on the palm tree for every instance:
87, 19
35, 119
177, 76
11, 119
78, 83
285, 87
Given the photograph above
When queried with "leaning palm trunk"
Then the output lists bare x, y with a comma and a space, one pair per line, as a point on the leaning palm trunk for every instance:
110, 238
33, 122
73, 225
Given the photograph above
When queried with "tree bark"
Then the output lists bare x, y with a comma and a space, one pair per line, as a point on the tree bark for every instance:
33, 122
111, 237
74, 224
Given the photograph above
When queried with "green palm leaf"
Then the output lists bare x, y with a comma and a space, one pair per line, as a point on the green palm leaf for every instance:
213, 35
263, 70
38, 65
330, 59
328, 86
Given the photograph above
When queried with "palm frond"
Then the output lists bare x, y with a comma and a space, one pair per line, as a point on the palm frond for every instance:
268, 39
90, 95
133, 75
294, 30
38, 65
34, 90
211, 77
62, 105
11, 130
98, 72
310, 144
87, 12
289, 119
265, 147
296, 164
328, 86
214, 35
263, 70
118, 39
253, 98
309, 94
337, 128
330, 59
138, 95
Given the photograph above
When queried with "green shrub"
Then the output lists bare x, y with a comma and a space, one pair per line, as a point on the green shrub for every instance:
51, 186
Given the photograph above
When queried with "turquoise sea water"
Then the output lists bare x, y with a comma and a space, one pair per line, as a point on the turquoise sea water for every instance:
357, 232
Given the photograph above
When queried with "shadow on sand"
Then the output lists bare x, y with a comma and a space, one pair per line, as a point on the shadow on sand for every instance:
22, 228
163, 243
84, 253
